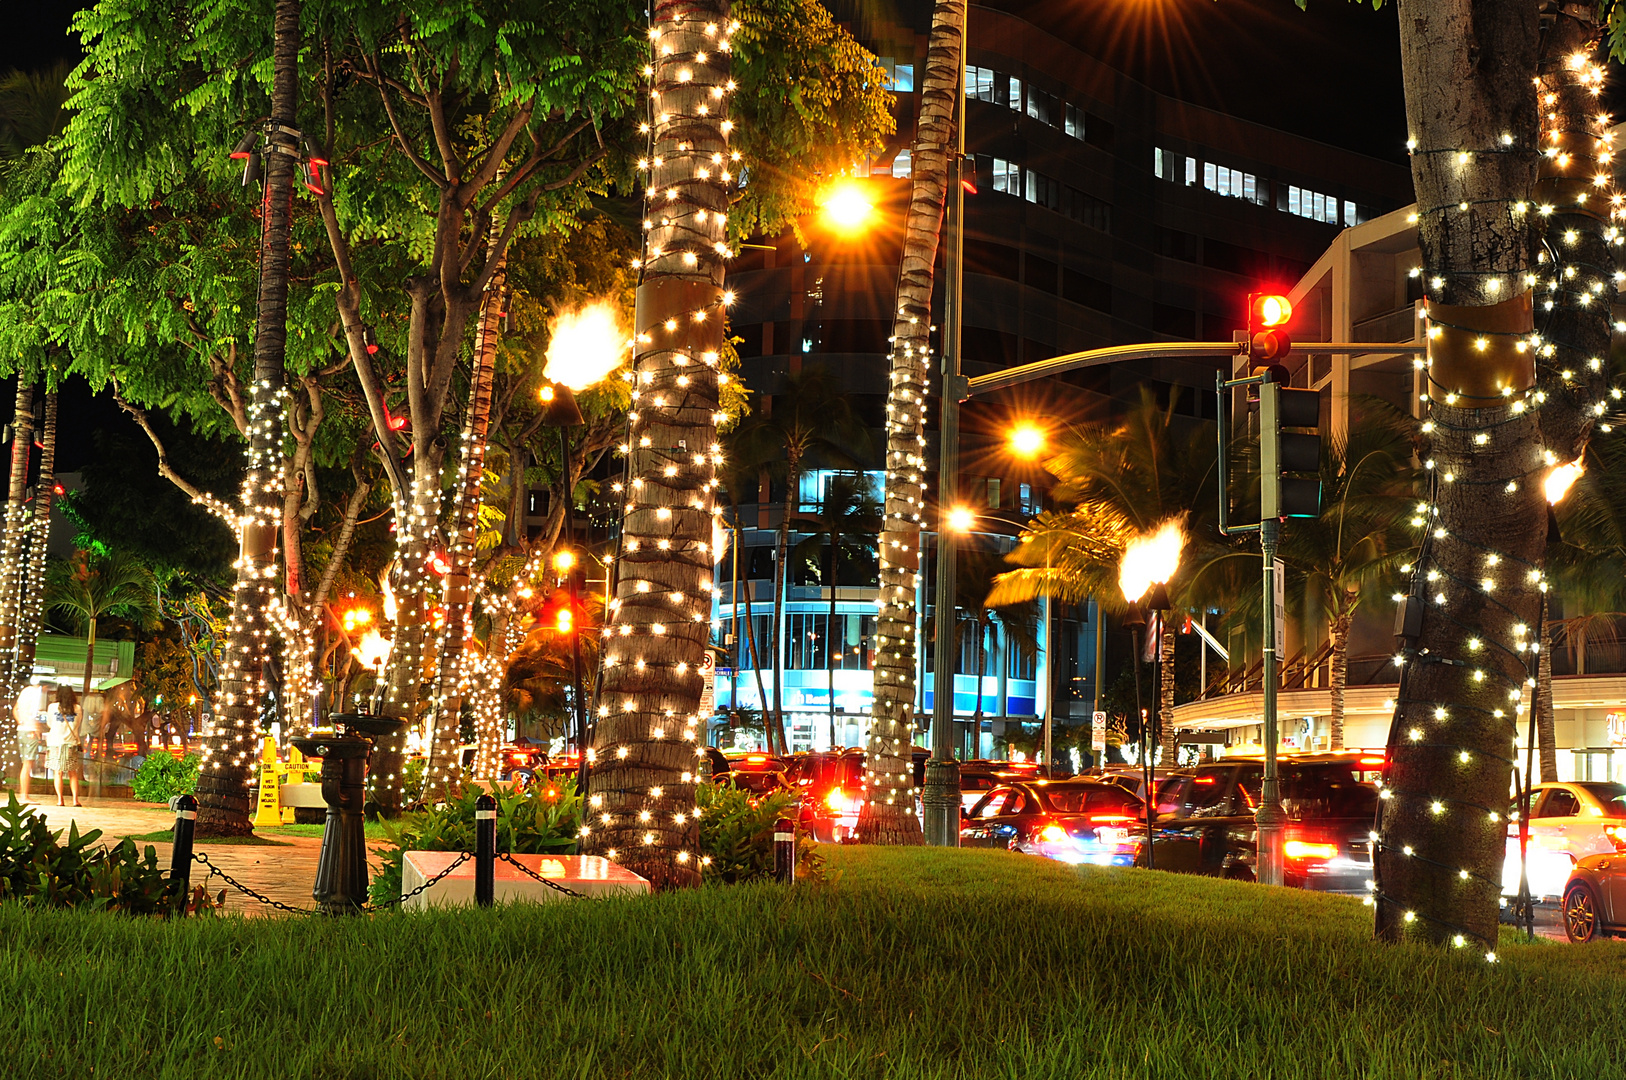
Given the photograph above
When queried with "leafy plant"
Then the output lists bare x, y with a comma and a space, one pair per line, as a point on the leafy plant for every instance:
162, 776
541, 819
736, 835
38, 867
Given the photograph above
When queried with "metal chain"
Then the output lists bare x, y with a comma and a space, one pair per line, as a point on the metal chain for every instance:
462, 858
506, 857
246, 891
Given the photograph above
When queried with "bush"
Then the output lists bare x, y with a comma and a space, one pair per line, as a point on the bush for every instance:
529, 822
37, 867
162, 777
736, 835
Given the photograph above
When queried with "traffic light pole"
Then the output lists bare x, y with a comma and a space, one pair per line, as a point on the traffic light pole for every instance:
1269, 820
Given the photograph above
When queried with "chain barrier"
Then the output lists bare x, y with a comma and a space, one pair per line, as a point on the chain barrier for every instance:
215, 871
508, 858
462, 858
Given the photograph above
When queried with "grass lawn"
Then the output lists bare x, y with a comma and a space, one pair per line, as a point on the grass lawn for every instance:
908, 964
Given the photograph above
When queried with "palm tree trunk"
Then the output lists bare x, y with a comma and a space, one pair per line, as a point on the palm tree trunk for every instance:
1165, 701
888, 813
39, 541
14, 544
456, 596
1469, 68
830, 642
230, 745
1339, 677
756, 667
644, 744
1546, 745
90, 654
781, 576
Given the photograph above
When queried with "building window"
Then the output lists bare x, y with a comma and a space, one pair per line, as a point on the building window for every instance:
1305, 203
1074, 122
1008, 91
1027, 500
1176, 168
993, 493
1007, 177
1019, 663
1087, 209
1043, 190
1043, 107
979, 83
903, 78
901, 163
1232, 182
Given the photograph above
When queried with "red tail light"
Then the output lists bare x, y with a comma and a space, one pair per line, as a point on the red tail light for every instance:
836, 800
1053, 833
1307, 850
1113, 818
1617, 834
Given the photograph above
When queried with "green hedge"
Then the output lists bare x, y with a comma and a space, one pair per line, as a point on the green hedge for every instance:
161, 777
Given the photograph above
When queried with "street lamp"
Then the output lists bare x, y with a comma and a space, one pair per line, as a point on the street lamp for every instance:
846, 207
1026, 440
1148, 562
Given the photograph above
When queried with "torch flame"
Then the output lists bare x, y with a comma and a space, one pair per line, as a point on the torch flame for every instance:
373, 650
1151, 557
1560, 478
719, 539
586, 344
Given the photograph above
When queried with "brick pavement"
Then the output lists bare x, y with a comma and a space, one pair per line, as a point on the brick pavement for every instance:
283, 873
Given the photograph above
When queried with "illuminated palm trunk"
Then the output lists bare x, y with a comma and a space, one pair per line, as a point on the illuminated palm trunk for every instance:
230, 747
658, 626
1339, 663
14, 547
887, 815
39, 540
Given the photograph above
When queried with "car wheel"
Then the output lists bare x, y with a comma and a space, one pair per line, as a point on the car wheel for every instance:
1581, 913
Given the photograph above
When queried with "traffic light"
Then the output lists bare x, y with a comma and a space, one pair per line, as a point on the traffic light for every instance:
1268, 315
1282, 454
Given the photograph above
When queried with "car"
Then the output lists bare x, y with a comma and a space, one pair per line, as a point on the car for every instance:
1595, 898
1569, 821
1071, 821
758, 783
1205, 823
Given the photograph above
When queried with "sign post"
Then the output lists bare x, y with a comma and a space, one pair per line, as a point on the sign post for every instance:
1098, 738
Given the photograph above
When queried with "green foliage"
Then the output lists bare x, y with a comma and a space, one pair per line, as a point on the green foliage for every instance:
736, 834
162, 776
38, 867
529, 822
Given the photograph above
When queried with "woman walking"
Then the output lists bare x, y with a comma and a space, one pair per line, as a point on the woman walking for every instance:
30, 703
64, 742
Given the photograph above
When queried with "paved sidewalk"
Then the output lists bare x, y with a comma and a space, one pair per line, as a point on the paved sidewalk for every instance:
284, 873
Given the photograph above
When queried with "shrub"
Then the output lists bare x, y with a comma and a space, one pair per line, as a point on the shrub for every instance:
736, 834
529, 822
37, 867
161, 777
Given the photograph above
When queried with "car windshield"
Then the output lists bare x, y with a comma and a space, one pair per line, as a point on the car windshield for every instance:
977, 781
1329, 790
1612, 796
1090, 798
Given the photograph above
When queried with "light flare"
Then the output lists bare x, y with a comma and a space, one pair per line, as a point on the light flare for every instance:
585, 344
1151, 558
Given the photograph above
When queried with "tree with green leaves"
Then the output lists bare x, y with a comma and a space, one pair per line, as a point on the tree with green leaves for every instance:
91, 587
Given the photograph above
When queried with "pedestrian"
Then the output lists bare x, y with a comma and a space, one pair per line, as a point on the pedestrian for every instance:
65, 742
29, 731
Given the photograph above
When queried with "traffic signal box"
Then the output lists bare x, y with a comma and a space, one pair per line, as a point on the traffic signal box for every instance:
1289, 461
1268, 340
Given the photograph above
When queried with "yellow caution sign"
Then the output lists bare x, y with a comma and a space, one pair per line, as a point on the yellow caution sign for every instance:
268, 815
296, 775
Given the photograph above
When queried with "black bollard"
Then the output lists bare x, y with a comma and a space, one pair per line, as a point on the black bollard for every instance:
784, 851
485, 850
180, 856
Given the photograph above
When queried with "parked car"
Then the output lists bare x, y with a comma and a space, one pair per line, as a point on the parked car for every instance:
1568, 822
1071, 821
1205, 822
1595, 898
758, 783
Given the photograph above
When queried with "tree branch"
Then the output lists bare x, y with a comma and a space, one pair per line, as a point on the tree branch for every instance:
202, 498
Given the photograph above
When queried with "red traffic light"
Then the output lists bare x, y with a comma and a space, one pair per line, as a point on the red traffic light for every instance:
1268, 315
564, 620
1268, 309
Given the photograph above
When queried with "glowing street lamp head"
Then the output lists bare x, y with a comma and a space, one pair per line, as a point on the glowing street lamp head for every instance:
1151, 558
373, 650
846, 207
961, 519
564, 560
1027, 439
1560, 478
586, 343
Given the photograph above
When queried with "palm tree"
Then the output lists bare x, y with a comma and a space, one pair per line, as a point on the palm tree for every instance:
229, 749
91, 587
979, 619
32, 587
847, 528
811, 421
1358, 544
740, 479
891, 819
1123, 481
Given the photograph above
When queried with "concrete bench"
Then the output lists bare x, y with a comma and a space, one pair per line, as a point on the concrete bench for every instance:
590, 875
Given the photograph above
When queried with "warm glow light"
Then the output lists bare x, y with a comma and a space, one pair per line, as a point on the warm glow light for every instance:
1151, 558
373, 650
564, 560
1560, 478
960, 519
1026, 440
1272, 310
846, 207
585, 344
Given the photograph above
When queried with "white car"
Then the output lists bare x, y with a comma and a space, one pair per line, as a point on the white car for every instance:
1568, 822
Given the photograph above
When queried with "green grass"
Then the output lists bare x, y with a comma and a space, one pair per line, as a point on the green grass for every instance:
907, 964
374, 830
167, 836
